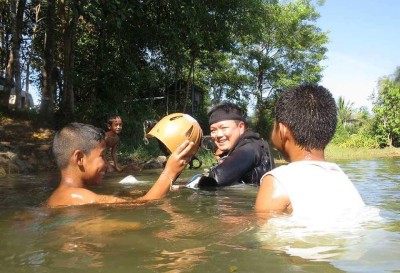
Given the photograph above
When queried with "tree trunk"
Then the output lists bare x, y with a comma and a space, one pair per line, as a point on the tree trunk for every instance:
259, 103
189, 81
3, 42
10, 63
27, 75
28, 63
69, 19
16, 45
260, 81
8, 81
49, 83
390, 140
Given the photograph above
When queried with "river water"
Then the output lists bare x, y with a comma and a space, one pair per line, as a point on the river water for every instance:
195, 231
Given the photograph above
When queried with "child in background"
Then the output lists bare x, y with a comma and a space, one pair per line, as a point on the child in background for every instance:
114, 125
79, 152
305, 122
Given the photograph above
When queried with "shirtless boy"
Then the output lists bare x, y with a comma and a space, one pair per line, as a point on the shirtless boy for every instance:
79, 151
114, 125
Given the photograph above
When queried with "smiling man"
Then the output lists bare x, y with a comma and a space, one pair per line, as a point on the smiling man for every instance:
243, 155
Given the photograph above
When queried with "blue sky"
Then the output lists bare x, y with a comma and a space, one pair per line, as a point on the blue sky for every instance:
364, 45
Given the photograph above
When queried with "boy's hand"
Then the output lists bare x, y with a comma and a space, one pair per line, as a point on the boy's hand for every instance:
178, 160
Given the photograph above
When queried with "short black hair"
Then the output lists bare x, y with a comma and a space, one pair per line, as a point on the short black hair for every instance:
111, 118
226, 109
310, 112
75, 136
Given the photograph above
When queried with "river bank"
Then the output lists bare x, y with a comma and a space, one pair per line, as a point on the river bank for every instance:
26, 148
334, 152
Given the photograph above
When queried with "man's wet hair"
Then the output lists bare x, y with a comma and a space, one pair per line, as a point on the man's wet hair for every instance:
310, 112
72, 137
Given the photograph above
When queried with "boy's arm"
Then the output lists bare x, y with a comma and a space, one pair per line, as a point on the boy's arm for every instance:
271, 196
177, 161
109, 199
80, 196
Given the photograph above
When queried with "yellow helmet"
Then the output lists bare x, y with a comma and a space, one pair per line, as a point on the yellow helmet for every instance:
174, 129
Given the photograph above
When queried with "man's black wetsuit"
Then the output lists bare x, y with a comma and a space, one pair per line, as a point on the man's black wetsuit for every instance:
246, 163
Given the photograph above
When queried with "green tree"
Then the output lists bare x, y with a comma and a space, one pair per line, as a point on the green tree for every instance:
92, 58
386, 108
12, 15
357, 131
396, 75
287, 50
345, 111
48, 64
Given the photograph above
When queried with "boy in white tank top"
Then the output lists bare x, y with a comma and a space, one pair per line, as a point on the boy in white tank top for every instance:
305, 122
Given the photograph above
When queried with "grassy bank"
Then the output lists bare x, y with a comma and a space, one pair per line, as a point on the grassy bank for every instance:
334, 152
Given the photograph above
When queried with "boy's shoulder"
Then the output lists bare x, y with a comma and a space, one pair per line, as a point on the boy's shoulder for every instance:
109, 133
69, 196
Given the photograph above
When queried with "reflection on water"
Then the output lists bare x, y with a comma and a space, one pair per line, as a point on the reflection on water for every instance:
196, 231
177, 261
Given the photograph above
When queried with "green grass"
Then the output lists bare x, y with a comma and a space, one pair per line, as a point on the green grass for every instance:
334, 152
207, 158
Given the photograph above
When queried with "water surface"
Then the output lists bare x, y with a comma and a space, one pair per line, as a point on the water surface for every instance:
194, 231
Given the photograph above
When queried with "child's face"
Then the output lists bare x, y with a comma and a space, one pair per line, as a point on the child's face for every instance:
95, 165
116, 125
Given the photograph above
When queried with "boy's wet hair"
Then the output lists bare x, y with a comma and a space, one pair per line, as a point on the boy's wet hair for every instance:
72, 137
310, 112
111, 118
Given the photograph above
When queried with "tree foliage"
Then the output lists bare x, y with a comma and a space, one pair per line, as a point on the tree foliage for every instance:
92, 58
386, 109
355, 128
286, 49
345, 111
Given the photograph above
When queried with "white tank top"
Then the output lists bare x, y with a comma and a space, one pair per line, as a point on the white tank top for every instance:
317, 188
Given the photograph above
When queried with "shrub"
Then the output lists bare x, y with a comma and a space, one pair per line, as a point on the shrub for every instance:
360, 141
341, 135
